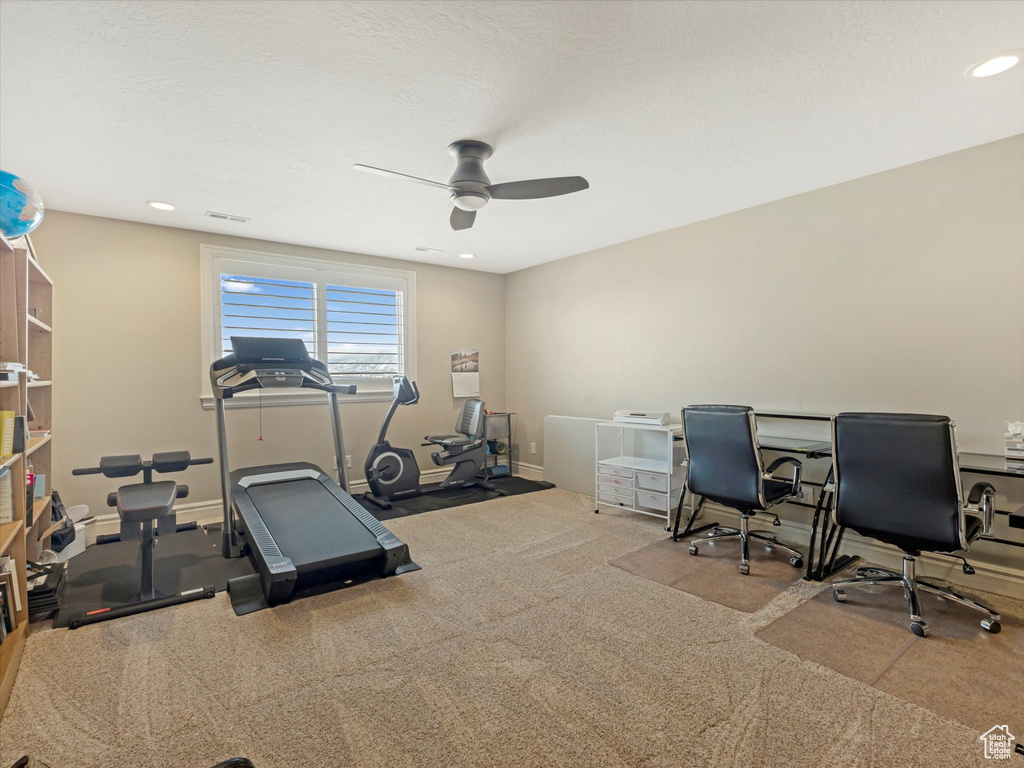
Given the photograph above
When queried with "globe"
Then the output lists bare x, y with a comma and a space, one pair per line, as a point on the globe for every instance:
21, 208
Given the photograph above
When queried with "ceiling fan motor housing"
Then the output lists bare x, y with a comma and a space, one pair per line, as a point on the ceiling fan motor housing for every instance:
469, 178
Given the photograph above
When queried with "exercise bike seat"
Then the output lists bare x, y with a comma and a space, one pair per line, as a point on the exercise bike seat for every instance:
146, 501
451, 440
469, 427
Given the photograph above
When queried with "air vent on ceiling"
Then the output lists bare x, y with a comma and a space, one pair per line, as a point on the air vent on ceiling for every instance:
424, 249
227, 217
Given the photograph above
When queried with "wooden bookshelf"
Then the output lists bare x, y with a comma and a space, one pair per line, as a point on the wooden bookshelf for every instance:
26, 337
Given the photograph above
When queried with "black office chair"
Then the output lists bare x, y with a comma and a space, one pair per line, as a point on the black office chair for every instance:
897, 480
725, 466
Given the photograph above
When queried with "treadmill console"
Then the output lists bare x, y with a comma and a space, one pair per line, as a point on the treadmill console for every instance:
260, 363
253, 353
279, 377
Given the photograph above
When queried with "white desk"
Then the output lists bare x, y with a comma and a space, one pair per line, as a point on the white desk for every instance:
639, 467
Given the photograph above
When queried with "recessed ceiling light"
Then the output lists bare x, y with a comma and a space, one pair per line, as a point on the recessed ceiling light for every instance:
995, 66
162, 206
466, 255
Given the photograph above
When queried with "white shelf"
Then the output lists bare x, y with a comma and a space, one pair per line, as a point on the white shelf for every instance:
646, 465
36, 322
675, 429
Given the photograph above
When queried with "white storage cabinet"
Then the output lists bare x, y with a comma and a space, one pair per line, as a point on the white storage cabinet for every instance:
639, 467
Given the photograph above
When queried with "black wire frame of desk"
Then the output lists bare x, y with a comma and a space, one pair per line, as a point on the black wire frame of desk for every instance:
827, 560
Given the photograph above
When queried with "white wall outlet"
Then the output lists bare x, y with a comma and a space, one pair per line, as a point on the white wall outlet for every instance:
806, 494
533, 449
348, 461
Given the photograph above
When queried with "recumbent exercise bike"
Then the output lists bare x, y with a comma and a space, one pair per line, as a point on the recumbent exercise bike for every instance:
392, 473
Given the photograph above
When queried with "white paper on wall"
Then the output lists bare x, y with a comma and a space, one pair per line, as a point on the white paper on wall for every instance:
466, 384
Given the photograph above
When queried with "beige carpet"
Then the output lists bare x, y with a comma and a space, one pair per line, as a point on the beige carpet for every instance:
516, 645
713, 573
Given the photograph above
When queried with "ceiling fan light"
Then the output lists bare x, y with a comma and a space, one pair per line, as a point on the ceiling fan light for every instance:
469, 201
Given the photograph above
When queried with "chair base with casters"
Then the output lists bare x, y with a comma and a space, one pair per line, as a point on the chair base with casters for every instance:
744, 534
898, 481
911, 584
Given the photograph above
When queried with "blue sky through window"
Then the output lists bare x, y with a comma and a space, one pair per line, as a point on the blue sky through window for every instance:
363, 336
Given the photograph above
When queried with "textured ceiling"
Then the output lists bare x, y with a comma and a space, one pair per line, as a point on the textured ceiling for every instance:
675, 112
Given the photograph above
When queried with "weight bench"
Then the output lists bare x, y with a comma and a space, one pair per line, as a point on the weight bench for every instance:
142, 507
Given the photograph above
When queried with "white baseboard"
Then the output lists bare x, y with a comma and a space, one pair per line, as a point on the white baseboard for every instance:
529, 471
988, 577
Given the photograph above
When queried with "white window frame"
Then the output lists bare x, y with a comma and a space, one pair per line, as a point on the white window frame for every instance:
216, 260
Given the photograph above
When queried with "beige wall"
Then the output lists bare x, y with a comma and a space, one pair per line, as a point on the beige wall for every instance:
902, 291
127, 356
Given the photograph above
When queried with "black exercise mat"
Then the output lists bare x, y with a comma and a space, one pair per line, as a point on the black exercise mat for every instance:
108, 574
511, 486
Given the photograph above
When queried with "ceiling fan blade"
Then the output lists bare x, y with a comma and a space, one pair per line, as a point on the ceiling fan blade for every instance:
537, 188
394, 174
461, 219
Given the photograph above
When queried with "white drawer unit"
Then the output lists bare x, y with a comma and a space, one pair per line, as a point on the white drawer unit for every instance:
614, 496
652, 481
621, 482
653, 500
639, 467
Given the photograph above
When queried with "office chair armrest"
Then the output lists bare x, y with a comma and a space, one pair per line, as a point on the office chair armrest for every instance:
798, 468
982, 500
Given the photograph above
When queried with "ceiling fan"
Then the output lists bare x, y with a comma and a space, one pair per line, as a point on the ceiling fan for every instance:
471, 189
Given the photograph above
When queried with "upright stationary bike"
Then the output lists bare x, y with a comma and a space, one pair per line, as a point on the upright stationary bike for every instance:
392, 473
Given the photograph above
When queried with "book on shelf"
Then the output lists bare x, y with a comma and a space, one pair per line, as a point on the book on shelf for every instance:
39, 488
6, 434
8, 568
3, 614
6, 496
10, 371
9, 617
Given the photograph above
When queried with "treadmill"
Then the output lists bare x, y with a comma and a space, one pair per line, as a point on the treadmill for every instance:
302, 531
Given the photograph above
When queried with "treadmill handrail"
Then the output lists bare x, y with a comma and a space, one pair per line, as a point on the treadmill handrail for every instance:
232, 379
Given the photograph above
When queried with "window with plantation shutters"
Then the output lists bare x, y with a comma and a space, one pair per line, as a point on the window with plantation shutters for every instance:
356, 319
256, 306
364, 332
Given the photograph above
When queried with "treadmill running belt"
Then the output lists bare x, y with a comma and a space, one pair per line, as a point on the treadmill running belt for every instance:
311, 527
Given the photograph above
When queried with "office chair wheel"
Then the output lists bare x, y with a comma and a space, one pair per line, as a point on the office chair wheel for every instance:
796, 562
693, 549
991, 625
745, 568
919, 628
839, 595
